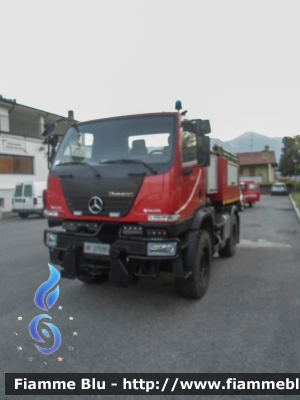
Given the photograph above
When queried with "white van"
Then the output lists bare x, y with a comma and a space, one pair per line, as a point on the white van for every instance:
28, 198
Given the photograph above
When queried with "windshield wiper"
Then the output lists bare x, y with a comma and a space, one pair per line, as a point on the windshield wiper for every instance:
129, 161
97, 175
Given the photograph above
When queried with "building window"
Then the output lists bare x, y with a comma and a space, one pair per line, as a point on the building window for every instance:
1, 202
10, 164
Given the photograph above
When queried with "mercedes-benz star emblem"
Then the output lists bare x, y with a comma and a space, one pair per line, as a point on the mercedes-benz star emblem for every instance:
95, 205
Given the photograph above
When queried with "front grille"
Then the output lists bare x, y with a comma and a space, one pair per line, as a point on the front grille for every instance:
110, 205
78, 193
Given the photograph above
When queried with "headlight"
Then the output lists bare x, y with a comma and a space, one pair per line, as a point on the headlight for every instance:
161, 249
51, 239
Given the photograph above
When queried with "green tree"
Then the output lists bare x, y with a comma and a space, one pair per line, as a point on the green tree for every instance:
290, 152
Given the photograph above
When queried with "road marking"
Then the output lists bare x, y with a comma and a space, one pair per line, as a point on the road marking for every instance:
262, 244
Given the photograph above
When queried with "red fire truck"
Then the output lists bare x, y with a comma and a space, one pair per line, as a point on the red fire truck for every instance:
131, 196
250, 191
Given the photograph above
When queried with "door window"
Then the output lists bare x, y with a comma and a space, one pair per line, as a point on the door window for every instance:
28, 191
18, 191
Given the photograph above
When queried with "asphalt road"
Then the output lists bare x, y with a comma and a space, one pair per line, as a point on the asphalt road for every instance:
247, 322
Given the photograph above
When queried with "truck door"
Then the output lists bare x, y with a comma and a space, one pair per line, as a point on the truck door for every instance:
28, 197
254, 189
18, 197
192, 177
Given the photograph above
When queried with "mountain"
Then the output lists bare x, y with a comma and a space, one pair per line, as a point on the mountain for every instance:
251, 141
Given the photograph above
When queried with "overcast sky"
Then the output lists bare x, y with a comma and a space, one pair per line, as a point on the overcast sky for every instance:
234, 62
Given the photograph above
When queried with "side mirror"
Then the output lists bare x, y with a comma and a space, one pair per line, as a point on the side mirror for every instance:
49, 128
203, 150
202, 126
52, 142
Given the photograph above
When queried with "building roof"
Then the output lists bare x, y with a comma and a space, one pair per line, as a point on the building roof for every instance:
12, 103
24, 120
257, 158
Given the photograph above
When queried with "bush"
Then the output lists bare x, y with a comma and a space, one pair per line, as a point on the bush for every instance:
296, 198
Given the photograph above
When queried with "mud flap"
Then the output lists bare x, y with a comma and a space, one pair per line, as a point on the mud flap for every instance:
182, 265
179, 270
118, 273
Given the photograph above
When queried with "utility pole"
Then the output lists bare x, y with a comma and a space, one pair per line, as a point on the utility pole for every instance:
251, 141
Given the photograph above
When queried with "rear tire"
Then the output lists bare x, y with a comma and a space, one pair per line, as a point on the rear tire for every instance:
196, 284
23, 216
230, 246
250, 205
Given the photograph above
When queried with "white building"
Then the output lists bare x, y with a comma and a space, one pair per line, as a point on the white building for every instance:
23, 152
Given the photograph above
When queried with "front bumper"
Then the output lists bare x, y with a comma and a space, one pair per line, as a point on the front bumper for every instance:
67, 250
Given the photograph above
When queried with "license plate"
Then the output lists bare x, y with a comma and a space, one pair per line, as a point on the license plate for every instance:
96, 248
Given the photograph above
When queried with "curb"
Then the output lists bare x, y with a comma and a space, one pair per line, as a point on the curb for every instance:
295, 207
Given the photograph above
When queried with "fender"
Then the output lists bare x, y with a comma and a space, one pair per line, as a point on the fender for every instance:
233, 210
203, 218
200, 215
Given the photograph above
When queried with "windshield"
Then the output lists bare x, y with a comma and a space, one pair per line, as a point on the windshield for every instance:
148, 139
253, 186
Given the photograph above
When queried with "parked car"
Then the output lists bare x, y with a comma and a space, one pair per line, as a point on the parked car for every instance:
279, 188
28, 198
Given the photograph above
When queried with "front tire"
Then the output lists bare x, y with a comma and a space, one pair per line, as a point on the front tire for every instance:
196, 284
230, 246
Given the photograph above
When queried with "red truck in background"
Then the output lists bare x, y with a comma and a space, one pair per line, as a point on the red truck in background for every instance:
250, 191
131, 196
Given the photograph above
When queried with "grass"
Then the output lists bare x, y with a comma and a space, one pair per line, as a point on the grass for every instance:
296, 198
